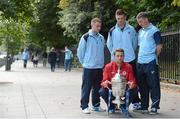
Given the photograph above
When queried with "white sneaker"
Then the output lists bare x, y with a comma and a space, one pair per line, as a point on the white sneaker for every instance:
86, 111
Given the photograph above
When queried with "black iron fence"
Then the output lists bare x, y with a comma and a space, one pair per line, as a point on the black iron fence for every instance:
169, 59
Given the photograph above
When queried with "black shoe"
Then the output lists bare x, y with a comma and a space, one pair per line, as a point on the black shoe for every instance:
153, 111
141, 110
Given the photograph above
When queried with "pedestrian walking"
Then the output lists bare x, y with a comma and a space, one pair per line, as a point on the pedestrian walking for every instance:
25, 57
68, 59
44, 56
52, 59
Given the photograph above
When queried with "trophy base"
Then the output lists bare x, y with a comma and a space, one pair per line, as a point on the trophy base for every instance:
118, 102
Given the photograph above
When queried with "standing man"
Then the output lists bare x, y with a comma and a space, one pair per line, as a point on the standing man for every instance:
52, 59
91, 55
68, 59
124, 36
58, 59
45, 55
150, 45
25, 57
35, 60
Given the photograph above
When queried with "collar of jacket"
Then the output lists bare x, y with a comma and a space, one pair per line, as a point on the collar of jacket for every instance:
91, 33
126, 26
115, 65
149, 27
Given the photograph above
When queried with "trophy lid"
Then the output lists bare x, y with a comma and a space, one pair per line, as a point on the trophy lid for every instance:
118, 76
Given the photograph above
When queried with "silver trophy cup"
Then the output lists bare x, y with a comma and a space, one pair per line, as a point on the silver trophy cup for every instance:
118, 84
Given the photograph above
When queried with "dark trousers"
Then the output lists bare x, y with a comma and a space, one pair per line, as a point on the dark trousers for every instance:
149, 83
136, 98
44, 62
104, 93
25, 63
91, 82
35, 63
67, 64
53, 64
58, 64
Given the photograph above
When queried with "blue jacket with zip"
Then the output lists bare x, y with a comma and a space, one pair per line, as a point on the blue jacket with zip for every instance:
125, 39
91, 50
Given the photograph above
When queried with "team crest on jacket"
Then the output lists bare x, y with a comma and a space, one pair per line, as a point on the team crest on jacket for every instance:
124, 73
112, 72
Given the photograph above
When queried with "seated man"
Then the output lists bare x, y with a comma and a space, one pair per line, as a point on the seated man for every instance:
109, 72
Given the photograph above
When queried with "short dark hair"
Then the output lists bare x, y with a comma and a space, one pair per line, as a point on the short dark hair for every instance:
142, 15
118, 50
120, 12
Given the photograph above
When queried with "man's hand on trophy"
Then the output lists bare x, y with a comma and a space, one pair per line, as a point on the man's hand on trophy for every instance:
131, 85
106, 84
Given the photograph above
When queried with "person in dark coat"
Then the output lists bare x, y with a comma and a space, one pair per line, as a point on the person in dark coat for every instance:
52, 59
45, 56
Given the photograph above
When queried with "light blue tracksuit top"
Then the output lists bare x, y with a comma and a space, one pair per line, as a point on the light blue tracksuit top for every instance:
125, 39
91, 51
25, 55
68, 54
147, 45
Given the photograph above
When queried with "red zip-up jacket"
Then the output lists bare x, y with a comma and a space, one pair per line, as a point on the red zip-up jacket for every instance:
111, 69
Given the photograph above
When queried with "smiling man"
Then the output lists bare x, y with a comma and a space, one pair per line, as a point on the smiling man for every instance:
109, 72
150, 45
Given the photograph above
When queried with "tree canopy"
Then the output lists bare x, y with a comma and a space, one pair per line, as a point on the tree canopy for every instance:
76, 14
38, 24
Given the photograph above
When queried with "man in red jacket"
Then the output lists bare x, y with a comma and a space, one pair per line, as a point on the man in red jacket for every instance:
110, 71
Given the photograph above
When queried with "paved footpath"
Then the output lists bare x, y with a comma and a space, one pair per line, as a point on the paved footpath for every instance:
35, 93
